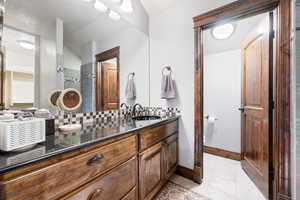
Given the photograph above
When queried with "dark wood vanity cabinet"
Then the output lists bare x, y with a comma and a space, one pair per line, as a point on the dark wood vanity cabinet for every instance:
159, 161
129, 167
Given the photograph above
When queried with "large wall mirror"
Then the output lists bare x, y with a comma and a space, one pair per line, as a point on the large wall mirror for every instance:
91, 46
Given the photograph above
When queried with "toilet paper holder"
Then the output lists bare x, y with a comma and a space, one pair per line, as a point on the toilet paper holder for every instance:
207, 117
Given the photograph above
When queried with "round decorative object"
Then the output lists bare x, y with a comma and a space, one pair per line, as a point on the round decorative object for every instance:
53, 97
70, 99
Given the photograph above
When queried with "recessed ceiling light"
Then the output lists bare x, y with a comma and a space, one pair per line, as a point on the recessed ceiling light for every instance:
114, 15
223, 32
100, 6
127, 6
26, 44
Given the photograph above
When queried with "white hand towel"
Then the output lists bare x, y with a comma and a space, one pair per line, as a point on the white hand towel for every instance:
130, 92
167, 87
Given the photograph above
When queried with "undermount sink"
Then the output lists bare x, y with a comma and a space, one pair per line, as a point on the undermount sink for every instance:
142, 118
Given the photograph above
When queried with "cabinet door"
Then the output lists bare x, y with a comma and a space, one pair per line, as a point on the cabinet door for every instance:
151, 171
170, 155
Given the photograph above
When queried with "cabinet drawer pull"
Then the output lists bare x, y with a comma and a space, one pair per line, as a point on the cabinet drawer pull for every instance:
95, 194
95, 160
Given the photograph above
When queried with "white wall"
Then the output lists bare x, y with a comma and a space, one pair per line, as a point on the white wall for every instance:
71, 60
46, 30
222, 98
134, 57
172, 43
23, 63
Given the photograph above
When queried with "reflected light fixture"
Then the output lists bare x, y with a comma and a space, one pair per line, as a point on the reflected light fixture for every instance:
127, 6
100, 6
26, 44
114, 15
223, 31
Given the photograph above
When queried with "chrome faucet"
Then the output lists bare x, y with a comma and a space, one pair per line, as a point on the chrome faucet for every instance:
126, 113
124, 105
134, 109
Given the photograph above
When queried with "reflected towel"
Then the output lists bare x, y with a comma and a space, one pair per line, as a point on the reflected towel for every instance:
167, 87
130, 92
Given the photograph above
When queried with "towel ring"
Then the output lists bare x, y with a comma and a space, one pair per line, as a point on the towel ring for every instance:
131, 74
166, 68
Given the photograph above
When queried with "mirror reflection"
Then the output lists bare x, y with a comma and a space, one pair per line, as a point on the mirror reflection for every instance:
49, 47
20, 61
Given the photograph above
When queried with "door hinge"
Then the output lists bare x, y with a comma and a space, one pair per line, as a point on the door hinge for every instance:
272, 34
272, 105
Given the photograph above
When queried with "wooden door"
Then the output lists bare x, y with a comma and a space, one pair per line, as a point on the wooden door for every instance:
170, 155
150, 172
256, 111
107, 87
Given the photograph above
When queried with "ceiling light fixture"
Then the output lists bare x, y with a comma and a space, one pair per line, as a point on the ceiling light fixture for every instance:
114, 15
223, 32
26, 44
100, 6
88, 1
127, 6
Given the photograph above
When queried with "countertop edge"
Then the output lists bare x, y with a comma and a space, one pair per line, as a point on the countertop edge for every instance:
82, 146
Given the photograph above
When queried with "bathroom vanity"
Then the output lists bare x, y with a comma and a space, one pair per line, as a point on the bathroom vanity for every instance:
127, 160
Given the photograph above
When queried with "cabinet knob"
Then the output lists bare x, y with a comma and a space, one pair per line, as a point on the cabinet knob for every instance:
95, 194
95, 160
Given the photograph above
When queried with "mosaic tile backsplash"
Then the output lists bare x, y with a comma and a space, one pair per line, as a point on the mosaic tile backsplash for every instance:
106, 116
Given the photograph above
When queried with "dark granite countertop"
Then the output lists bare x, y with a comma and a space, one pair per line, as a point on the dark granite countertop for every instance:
67, 142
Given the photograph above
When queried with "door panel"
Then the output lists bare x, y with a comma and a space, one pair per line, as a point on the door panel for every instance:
170, 155
151, 171
256, 129
110, 87
107, 87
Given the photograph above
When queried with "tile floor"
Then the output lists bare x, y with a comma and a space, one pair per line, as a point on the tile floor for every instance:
224, 179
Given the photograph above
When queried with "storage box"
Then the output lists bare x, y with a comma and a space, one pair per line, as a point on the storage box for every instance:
21, 134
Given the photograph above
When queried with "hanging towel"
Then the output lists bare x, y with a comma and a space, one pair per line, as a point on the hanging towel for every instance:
167, 86
130, 92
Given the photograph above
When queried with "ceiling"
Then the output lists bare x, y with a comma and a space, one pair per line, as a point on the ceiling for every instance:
25, 57
154, 7
243, 27
82, 23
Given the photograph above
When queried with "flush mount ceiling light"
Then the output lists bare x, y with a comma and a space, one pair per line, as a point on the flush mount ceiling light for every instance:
26, 44
127, 6
223, 32
114, 15
100, 6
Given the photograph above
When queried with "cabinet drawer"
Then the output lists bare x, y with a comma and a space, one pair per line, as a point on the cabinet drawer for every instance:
151, 136
118, 184
58, 179
132, 195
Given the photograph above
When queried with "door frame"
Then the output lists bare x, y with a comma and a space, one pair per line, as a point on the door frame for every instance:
101, 57
281, 150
